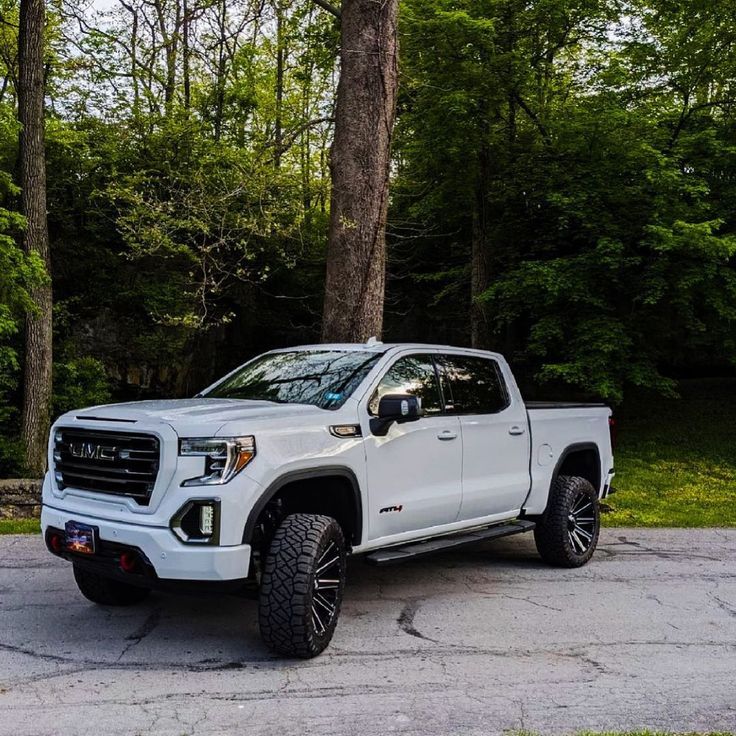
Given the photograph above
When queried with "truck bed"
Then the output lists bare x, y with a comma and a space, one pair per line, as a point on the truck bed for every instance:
556, 427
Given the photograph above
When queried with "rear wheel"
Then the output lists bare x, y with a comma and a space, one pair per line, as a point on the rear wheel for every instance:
567, 535
107, 591
302, 585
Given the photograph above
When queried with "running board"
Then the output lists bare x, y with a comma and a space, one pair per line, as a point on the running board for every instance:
394, 555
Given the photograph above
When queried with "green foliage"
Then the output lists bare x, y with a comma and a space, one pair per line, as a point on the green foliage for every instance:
78, 383
675, 463
606, 200
584, 147
19, 273
201, 217
198, 225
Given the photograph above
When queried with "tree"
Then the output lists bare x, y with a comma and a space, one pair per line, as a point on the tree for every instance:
18, 272
563, 188
605, 186
360, 166
38, 349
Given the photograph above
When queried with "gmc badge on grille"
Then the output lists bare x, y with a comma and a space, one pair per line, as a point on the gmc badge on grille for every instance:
91, 451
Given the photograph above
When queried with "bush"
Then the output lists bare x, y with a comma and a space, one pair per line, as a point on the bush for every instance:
79, 382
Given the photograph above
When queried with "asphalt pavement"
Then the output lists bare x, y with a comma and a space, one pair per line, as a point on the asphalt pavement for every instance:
478, 641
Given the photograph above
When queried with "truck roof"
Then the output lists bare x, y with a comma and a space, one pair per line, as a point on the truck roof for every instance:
381, 347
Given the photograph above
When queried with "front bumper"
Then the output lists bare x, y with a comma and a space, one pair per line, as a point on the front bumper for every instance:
169, 557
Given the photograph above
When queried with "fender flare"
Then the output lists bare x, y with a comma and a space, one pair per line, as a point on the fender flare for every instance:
569, 450
297, 475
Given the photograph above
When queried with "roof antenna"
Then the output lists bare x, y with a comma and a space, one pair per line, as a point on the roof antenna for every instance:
373, 341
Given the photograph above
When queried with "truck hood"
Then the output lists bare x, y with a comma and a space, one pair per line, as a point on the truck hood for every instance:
191, 417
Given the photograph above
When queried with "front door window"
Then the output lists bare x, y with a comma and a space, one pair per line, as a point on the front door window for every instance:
413, 375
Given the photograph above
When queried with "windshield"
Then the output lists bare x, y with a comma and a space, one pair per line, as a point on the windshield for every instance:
323, 378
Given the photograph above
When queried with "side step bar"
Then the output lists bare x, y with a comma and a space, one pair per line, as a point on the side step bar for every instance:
394, 555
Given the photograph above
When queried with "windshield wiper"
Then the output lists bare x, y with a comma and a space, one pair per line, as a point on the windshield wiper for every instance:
235, 395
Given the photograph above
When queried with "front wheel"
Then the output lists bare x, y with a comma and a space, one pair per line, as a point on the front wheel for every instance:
106, 591
302, 585
567, 534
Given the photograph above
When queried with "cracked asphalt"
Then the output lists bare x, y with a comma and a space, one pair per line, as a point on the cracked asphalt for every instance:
477, 641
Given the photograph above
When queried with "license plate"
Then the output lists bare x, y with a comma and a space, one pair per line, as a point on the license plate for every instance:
80, 538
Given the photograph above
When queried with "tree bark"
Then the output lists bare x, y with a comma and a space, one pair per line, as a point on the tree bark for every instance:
360, 168
36, 412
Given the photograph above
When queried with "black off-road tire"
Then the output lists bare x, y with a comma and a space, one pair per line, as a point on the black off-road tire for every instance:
107, 591
557, 535
293, 618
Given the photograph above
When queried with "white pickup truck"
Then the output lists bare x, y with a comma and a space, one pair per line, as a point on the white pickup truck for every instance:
269, 478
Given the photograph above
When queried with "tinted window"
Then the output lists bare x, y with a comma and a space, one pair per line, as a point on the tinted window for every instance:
412, 375
324, 378
473, 385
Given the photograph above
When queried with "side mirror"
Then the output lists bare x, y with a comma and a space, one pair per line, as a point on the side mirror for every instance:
399, 408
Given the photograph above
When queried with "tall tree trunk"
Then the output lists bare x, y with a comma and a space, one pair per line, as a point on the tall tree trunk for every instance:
221, 69
37, 372
280, 71
360, 166
134, 71
480, 272
170, 43
186, 57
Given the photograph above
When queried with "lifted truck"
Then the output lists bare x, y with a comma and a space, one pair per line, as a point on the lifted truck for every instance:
273, 475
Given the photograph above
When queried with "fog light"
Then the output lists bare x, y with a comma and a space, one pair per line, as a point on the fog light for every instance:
198, 522
206, 520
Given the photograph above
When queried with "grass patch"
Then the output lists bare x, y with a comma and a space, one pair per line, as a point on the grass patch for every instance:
20, 526
653, 733
632, 733
676, 458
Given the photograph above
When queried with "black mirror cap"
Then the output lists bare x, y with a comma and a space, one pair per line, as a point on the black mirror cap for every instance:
399, 407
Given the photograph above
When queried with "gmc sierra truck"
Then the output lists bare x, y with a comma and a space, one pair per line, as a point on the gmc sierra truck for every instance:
270, 477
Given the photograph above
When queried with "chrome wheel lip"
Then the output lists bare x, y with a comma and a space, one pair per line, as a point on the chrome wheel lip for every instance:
581, 523
326, 588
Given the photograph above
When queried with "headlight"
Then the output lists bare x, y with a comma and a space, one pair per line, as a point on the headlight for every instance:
224, 457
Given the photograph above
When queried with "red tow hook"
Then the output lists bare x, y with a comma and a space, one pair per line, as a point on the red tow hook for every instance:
129, 562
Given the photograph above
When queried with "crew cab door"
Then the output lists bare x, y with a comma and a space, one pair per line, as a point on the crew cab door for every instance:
414, 472
495, 435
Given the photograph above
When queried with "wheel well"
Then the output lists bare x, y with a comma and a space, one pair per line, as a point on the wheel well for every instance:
584, 463
335, 495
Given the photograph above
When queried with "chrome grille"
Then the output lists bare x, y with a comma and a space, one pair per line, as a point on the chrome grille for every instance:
119, 463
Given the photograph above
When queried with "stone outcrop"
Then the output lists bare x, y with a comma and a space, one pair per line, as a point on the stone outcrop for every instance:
20, 498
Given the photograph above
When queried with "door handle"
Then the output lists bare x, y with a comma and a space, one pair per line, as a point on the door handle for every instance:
447, 435
516, 429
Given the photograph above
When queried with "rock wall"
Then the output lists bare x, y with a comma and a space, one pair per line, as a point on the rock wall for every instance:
20, 499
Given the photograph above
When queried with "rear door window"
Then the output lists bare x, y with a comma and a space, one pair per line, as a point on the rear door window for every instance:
472, 385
